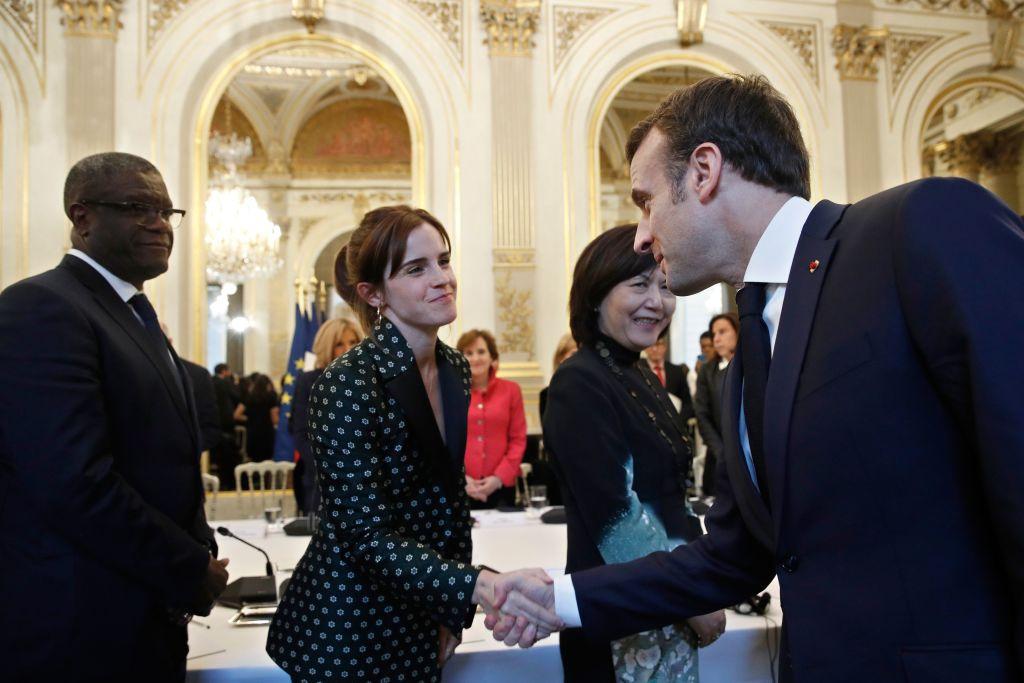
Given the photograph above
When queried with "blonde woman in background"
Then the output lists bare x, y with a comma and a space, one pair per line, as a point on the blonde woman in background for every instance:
563, 352
334, 338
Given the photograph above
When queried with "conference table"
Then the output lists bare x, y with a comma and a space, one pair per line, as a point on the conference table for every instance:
221, 652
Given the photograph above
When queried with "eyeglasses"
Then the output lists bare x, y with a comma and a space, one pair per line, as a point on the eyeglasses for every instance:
143, 214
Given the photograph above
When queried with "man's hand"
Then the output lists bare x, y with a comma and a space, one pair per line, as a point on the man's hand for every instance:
708, 627
446, 645
213, 585
526, 599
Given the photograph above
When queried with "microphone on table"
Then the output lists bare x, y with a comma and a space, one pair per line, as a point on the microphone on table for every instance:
224, 531
249, 590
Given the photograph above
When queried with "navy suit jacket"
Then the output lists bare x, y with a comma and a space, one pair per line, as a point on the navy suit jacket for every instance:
894, 441
103, 529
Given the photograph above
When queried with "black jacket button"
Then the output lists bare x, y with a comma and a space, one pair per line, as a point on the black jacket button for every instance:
791, 563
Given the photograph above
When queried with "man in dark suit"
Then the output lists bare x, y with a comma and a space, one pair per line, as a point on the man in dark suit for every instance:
105, 546
225, 456
206, 404
673, 378
707, 404
874, 455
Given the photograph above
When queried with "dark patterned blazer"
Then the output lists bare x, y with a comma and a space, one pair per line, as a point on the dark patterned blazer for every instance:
389, 561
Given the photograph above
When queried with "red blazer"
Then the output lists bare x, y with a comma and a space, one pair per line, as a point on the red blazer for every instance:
496, 431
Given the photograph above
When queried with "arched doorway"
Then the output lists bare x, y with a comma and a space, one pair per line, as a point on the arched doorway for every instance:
330, 139
975, 129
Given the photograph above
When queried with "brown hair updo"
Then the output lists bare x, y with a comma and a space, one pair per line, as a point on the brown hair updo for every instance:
376, 245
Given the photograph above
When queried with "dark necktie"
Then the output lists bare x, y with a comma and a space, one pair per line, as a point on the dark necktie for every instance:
756, 354
140, 304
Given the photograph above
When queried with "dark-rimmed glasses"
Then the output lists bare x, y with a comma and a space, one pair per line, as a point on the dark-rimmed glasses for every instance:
143, 214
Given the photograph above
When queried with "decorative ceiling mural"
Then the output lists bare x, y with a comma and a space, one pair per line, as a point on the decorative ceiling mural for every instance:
354, 137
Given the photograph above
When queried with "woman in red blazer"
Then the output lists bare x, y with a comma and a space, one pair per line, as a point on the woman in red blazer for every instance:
496, 434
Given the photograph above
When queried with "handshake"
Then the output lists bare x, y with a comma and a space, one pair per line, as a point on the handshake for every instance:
520, 605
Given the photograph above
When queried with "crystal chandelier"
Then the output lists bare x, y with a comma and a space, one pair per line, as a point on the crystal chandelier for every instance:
241, 240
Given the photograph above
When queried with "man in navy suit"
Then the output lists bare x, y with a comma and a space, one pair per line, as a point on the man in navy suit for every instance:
873, 418
104, 544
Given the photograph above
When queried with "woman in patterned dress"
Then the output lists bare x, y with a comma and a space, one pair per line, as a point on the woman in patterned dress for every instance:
386, 587
620, 455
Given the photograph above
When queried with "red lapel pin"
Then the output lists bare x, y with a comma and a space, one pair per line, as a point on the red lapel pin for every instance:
813, 265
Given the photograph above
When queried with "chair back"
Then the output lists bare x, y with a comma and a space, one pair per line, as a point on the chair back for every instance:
266, 485
211, 487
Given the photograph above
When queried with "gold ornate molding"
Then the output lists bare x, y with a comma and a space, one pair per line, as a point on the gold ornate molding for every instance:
985, 150
352, 195
1005, 20
160, 13
446, 16
510, 25
514, 258
803, 40
92, 18
515, 316
571, 22
24, 14
857, 50
902, 51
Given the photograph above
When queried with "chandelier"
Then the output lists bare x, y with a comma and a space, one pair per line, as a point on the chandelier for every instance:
241, 240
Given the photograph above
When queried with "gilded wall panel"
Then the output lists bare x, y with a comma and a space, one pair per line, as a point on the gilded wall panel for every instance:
802, 40
571, 22
447, 17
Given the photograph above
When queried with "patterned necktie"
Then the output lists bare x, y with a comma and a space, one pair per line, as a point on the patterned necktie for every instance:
756, 354
140, 304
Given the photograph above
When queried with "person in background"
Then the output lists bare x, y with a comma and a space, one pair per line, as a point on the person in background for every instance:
261, 409
707, 350
334, 338
496, 438
390, 563
672, 377
725, 331
106, 552
620, 455
225, 455
565, 349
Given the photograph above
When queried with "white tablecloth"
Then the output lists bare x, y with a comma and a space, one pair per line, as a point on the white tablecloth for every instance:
222, 652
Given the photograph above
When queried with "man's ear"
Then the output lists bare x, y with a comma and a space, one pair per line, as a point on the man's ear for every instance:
81, 223
370, 294
705, 170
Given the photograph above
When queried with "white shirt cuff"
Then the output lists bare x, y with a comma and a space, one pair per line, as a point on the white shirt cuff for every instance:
565, 602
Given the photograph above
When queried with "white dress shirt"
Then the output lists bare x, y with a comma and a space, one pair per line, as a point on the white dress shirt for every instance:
125, 290
770, 263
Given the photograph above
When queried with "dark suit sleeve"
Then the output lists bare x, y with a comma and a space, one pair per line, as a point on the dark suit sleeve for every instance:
702, 408
959, 258
721, 568
53, 421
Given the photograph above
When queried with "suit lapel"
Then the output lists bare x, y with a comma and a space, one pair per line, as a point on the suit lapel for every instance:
455, 397
401, 378
107, 298
806, 277
407, 388
752, 507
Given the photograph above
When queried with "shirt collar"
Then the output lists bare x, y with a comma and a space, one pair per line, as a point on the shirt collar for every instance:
125, 290
773, 255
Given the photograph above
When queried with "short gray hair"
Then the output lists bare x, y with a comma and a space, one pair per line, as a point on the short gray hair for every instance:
100, 170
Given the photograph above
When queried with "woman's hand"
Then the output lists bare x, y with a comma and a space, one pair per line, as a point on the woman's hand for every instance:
708, 627
489, 485
473, 489
446, 645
